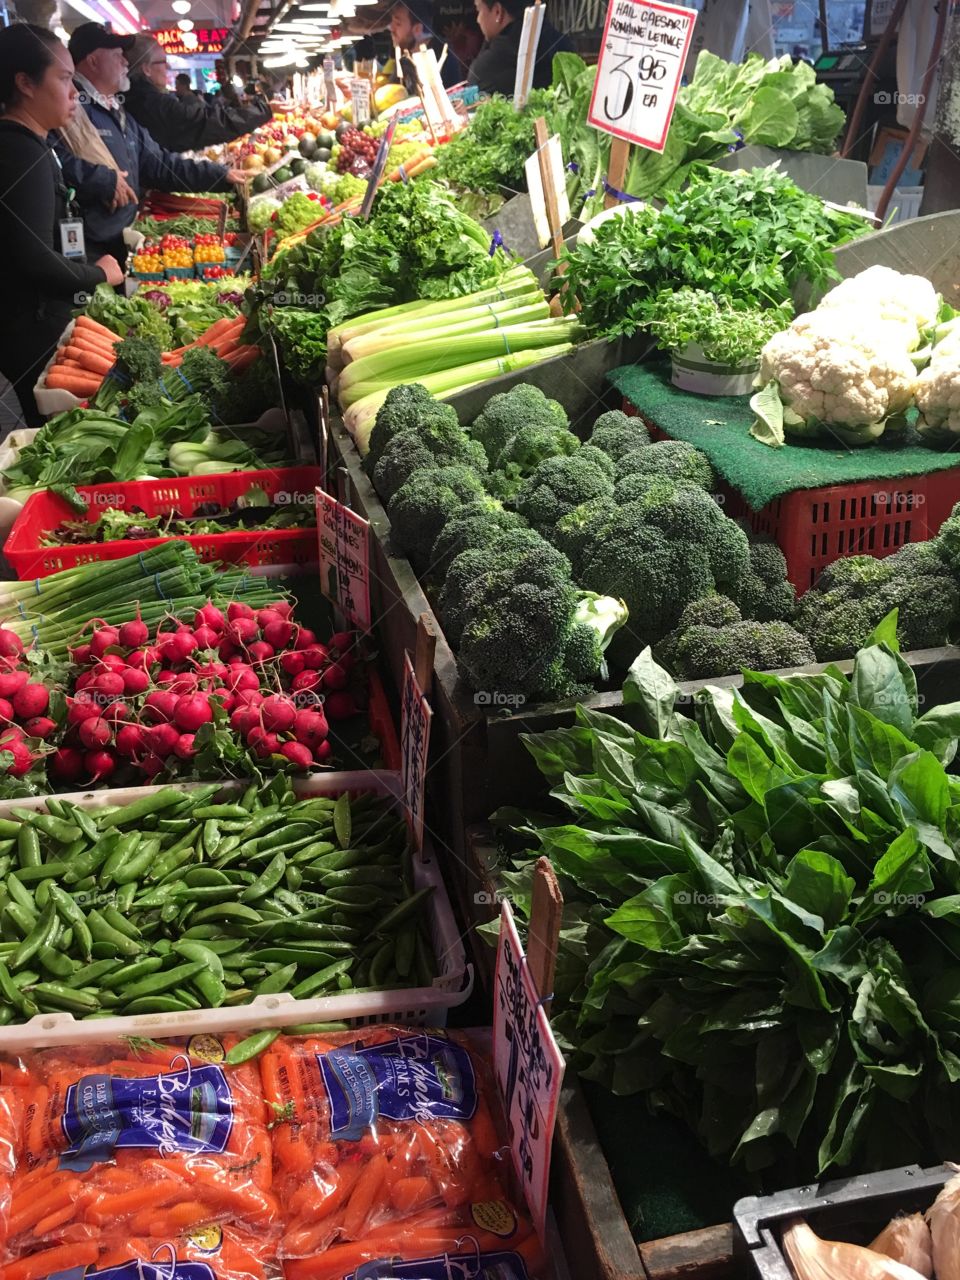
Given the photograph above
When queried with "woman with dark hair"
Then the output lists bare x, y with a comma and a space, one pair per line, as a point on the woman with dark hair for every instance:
494, 69
45, 267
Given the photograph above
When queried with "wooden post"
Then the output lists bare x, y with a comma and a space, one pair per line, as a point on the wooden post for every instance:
619, 156
549, 193
423, 656
543, 933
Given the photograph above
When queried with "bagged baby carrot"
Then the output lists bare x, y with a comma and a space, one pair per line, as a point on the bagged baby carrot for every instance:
374, 1128
144, 1138
207, 1253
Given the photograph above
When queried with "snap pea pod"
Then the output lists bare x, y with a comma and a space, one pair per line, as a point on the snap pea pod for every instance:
28, 847
164, 980
55, 995
323, 978
129, 814
254, 1045
48, 825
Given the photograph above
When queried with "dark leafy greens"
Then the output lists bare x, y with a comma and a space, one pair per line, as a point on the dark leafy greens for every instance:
762, 914
492, 150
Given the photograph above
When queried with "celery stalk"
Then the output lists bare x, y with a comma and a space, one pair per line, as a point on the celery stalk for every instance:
478, 319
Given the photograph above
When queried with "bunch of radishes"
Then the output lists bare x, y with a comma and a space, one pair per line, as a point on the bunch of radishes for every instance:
24, 704
141, 699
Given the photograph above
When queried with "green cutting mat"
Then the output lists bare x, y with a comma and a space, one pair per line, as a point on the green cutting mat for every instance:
720, 426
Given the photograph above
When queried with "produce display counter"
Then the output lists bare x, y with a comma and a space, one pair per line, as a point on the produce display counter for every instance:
817, 503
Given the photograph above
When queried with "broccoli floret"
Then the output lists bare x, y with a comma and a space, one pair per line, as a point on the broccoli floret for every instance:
560, 484
674, 458
406, 408
435, 443
711, 611
469, 571
701, 652
618, 434
477, 527
523, 453
504, 414
576, 531
946, 545
420, 508
514, 639
855, 594
764, 593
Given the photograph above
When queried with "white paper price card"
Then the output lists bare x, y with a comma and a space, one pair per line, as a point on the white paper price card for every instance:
344, 539
556, 176
528, 1065
642, 57
415, 719
360, 97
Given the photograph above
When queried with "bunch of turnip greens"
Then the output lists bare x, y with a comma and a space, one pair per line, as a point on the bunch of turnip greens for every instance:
762, 920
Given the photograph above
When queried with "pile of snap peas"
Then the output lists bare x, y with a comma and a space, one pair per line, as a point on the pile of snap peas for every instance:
177, 902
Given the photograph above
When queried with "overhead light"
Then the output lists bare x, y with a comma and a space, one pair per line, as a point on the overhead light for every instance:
284, 60
119, 21
181, 6
185, 24
314, 8
130, 8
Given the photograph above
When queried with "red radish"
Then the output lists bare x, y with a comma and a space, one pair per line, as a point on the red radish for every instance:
110, 662
23, 758
226, 699
283, 607
277, 713
228, 650
279, 633
11, 682
104, 639
315, 657
322, 751
243, 719
80, 654
310, 727
340, 705
108, 685
261, 652
267, 615
134, 633
263, 743
305, 680
185, 750
293, 661
242, 677
151, 765
83, 707
99, 764
192, 711
297, 754
135, 681
242, 630
161, 739
213, 670
11, 645
336, 676
116, 713
237, 609
66, 765
249, 697
177, 647
95, 733
11, 734
209, 616
185, 682
206, 637
159, 706
305, 639
130, 741
32, 700
40, 727
85, 678
143, 658
6, 711
342, 640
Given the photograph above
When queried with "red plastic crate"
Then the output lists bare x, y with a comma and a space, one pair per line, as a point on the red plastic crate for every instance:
44, 511
814, 527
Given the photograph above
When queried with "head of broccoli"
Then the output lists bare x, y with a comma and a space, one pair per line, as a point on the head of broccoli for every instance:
674, 458
764, 592
617, 434
405, 408
477, 526
701, 652
422, 506
437, 442
560, 484
505, 413
523, 453
576, 532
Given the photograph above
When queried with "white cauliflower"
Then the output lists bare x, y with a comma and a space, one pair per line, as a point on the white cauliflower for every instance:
838, 372
938, 396
884, 294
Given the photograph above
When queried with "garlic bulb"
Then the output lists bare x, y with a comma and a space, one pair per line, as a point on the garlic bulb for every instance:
907, 1240
814, 1259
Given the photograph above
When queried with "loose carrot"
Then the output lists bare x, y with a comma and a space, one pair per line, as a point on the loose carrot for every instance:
62, 1258
242, 358
412, 1194
53, 1201
220, 328
72, 381
94, 326
90, 338
54, 1220
364, 1196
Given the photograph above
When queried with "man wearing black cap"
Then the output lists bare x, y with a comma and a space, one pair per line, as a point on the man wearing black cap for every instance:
108, 195
411, 25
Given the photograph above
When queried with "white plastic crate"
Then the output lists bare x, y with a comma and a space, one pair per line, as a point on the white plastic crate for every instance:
418, 1006
904, 204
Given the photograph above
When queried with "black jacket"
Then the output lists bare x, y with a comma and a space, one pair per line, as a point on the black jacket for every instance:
190, 124
147, 166
41, 284
494, 69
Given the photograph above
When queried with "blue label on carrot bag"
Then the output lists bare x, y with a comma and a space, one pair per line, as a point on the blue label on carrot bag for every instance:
189, 1110
447, 1266
413, 1077
164, 1266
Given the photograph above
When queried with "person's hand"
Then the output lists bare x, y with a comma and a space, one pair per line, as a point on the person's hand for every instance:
239, 176
123, 192
111, 269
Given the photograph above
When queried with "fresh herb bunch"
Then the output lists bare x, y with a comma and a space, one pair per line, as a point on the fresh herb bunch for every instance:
125, 314
761, 911
727, 334
492, 150
750, 237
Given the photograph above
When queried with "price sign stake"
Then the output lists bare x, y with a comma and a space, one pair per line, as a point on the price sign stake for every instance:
642, 56
547, 187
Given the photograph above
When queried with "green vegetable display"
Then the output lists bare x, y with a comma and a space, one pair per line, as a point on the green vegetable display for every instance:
490, 153
727, 334
761, 911
177, 902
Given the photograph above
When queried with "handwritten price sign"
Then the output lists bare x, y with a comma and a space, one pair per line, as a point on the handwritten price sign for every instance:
642, 57
344, 559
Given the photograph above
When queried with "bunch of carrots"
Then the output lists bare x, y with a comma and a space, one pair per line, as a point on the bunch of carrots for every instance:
419, 164
223, 339
84, 360
230, 1254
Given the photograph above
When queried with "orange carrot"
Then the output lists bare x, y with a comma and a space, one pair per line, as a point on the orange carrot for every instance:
242, 358
40, 1206
95, 363
221, 328
411, 1194
62, 1258
364, 1196
125, 1203
54, 1220
89, 338
87, 322
58, 379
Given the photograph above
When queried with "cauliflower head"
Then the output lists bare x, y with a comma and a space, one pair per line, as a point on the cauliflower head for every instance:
938, 399
887, 295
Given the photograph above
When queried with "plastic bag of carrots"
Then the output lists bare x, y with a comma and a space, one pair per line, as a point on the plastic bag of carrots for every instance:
145, 1138
375, 1130
488, 1242
207, 1253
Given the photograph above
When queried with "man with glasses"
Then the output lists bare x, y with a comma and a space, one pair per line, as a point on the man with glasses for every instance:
183, 123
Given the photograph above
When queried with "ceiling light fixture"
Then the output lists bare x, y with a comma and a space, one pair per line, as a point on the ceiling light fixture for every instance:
185, 24
181, 6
